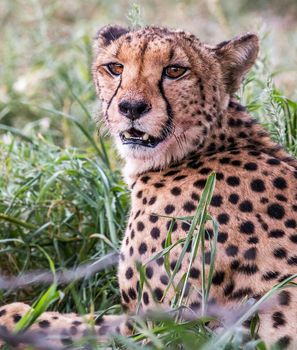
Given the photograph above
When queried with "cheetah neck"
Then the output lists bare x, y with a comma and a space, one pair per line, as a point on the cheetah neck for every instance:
235, 130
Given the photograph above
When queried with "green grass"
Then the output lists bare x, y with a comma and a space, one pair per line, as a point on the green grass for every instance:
63, 202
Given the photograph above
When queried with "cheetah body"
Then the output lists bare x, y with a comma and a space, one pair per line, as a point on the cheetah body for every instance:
185, 125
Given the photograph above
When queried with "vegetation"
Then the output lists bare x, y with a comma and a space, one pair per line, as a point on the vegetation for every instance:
63, 202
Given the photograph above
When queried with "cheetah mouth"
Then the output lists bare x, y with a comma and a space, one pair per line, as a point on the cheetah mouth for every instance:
137, 137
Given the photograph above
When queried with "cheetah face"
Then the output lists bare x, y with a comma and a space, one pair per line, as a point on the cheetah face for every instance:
162, 90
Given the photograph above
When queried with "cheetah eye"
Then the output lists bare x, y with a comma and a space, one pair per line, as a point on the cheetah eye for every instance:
174, 72
115, 68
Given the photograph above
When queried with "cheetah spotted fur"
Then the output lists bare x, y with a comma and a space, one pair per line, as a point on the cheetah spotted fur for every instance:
168, 101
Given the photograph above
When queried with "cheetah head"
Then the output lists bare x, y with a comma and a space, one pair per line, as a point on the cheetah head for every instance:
162, 90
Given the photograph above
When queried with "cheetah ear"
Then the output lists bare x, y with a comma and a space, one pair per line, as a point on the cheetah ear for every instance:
106, 35
236, 58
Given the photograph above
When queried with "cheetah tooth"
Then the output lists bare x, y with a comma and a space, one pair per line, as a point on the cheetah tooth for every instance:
145, 137
127, 135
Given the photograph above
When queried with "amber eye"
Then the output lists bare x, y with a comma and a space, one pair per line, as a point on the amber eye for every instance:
115, 68
174, 72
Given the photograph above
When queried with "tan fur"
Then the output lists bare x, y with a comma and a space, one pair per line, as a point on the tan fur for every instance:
255, 199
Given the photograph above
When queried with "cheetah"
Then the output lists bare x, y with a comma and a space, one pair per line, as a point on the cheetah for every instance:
168, 100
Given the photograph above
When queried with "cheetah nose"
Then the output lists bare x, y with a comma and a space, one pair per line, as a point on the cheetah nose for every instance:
134, 109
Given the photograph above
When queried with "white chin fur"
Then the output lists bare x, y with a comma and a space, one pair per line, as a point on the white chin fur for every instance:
141, 159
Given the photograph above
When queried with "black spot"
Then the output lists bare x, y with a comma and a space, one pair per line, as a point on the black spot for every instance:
44, 324
292, 260
250, 254
218, 278
278, 319
229, 288
205, 171
144, 201
149, 272
253, 240
276, 233
145, 179
241, 293
180, 177
171, 173
164, 279
2, 312
153, 218
258, 185
76, 323
248, 269
159, 185
224, 160
280, 183
173, 264
152, 200
185, 226
199, 183
139, 194
223, 218
125, 297
284, 277
293, 238
195, 196
195, 305
246, 206
284, 298
158, 294
273, 161
219, 176
140, 226
233, 181
142, 248
232, 250
270, 275
251, 166
173, 227
291, 223
169, 209
132, 293
233, 198
160, 261
216, 201
66, 340
207, 257
247, 228
145, 298
276, 211
155, 232
189, 207
264, 200
129, 273
283, 342
176, 191
234, 264
236, 162
194, 273
281, 197
280, 253
222, 237
74, 330
16, 318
